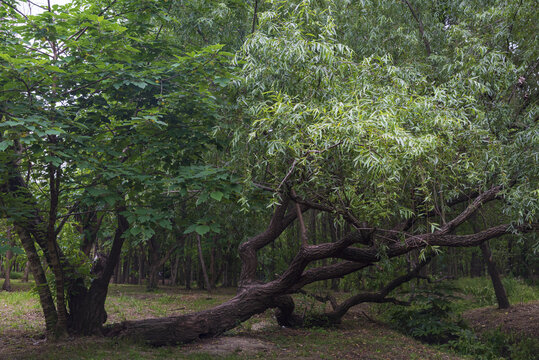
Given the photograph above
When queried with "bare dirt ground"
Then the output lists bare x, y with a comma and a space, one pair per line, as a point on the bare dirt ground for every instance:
522, 319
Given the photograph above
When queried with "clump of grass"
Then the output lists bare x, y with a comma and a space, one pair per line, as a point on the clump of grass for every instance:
19, 299
479, 292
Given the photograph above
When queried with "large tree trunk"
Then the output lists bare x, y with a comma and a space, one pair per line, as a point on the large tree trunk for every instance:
253, 297
87, 306
203, 324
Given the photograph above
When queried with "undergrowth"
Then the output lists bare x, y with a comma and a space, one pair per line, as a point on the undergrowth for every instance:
434, 317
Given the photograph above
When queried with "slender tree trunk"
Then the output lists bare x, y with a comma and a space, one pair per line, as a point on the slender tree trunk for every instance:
141, 258
475, 265
154, 265
163, 272
157, 262
174, 270
499, 290
203, 265
26, 271
126, 265
42, 286
55, 261
7, 271
8, 262
213, 275
187, 271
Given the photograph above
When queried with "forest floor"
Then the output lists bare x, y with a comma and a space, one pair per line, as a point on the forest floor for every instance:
520, 319
360, 336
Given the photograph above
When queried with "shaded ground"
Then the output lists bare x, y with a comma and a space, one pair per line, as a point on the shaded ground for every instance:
522, 319
359, 337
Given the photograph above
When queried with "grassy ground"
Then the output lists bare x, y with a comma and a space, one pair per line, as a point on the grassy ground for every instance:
359, 337
478, 292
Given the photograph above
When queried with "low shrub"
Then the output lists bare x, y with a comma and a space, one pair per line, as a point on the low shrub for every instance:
15, 275
430, 319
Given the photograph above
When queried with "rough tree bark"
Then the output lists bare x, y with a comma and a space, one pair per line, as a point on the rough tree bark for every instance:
87, 305
499, 290
87, 311
29, 227
255, 297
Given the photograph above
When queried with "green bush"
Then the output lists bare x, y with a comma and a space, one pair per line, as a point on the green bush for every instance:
525, 349
468, 343
431, 319
495, 344
16, 275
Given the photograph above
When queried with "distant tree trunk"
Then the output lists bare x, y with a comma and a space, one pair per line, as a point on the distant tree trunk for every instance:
499, 290
225, 273
203, 265
475, 265
26, 271
157, 261
141, 259
153, 276
212, 268
126, 267
116, 277
163, 271
510, 253
7, 271
187, 271
8, 262
174, 270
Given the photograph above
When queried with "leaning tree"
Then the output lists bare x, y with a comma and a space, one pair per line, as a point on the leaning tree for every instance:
405, 140
401, 120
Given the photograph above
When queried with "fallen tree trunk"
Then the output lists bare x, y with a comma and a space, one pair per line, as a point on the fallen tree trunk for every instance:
254, 297
203, 324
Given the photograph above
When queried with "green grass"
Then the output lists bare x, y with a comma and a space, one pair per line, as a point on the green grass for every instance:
21, 325
21, 330
479, 292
